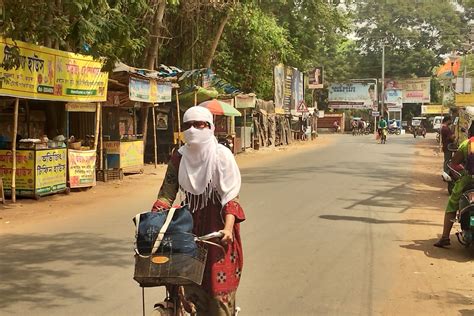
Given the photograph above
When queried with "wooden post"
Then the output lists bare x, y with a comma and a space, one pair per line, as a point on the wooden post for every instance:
97, 125
179, 116
245, 127
101, 136
155, 154
15, 131
144, 111
195, 98
28, 128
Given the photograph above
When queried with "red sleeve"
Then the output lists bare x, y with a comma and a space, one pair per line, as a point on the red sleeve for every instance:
159, 204
234, 208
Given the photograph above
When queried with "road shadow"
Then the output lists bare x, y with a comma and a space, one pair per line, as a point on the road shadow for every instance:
455, 252
449, 297
466, 312
37, 268
370, 220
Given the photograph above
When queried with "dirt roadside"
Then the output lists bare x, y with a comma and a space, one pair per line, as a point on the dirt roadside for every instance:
430, 281
28, 211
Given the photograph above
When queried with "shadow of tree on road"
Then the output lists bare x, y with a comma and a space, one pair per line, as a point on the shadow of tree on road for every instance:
449, 297
36, 268
454, 253
371, 220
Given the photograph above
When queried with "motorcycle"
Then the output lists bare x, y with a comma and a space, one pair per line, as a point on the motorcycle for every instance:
465, 214
226, 141
394, 131
452, 174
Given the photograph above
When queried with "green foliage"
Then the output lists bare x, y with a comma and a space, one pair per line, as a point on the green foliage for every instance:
252, 44
103, 28
415, 35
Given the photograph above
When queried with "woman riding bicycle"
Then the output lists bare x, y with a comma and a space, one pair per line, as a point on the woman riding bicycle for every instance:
207, 174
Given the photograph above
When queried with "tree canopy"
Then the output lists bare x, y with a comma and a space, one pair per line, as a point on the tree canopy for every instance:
243, 40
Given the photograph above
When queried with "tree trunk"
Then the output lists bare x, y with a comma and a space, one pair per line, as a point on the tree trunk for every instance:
216, 40
154, 43
59, 9
48, 41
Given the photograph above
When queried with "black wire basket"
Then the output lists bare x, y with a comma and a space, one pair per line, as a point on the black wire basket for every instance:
170, 265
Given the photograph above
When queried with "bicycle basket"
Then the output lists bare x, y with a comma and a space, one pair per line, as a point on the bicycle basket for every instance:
167, 267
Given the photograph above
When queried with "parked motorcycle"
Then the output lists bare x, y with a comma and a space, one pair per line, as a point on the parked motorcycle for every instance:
452, 173
465, 214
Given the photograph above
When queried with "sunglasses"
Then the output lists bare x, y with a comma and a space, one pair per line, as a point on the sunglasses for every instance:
196, 124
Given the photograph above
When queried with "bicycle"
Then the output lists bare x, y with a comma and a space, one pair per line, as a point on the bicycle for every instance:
174, 271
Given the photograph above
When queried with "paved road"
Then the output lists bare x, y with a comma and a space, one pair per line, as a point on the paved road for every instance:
320, 239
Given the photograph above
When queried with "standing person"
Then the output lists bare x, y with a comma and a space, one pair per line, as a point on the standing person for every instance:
354, 127
360, 126
382, 125
207, 174
447, 138
336, 127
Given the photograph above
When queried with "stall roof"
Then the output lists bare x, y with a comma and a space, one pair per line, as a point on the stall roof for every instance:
164, 73
186, 98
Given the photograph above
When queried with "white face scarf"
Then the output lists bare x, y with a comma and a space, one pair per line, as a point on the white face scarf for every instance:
207, 169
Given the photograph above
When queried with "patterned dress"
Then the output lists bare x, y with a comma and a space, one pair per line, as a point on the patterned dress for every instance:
223, 271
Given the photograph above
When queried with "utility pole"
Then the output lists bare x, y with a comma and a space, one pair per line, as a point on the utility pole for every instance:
464, 73
383, 81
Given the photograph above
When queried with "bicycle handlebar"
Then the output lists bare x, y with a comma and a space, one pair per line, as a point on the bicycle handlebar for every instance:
211, 236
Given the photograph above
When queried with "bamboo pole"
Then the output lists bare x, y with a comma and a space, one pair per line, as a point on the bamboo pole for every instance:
15, 131
97, 125
245, 127
155, 154
101, 145
179, 116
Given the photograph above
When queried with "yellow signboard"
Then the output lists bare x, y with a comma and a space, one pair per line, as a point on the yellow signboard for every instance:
81, 107
50, 170
463, 100
131, 154
81, 168
24, 181
49, 74
434, 109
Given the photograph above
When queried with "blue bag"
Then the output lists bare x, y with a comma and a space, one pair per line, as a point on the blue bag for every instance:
168, 231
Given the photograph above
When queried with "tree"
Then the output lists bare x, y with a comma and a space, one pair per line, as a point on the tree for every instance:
415, 34
251, 45
102, 28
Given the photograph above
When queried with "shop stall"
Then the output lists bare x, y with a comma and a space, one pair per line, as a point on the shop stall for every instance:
39, 171
82, 156
125, 155
44, 80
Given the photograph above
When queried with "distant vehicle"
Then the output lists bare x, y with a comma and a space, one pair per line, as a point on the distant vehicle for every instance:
437, 121
418, 126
